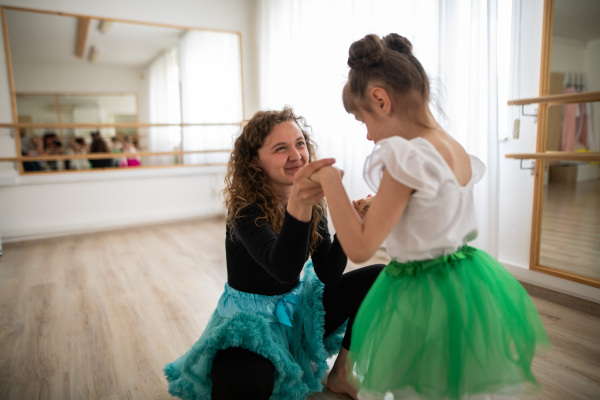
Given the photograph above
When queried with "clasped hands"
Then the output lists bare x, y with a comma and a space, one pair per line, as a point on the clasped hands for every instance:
307, 189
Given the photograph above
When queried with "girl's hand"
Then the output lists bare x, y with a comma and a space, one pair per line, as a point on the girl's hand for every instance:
316, 177
305, 191
362, 206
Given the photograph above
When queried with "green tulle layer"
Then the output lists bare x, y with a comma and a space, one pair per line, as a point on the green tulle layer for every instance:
447, 328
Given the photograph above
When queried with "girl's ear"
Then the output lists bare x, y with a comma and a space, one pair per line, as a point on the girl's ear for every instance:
381, 99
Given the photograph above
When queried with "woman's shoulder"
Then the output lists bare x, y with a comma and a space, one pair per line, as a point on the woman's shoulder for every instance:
248, 210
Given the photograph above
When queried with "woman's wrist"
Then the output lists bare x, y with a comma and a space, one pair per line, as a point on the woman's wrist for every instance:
300, 212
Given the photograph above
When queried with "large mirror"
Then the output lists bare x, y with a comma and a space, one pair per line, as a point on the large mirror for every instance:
569, 238
159, 95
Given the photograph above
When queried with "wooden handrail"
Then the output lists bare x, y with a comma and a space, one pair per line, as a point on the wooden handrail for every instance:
558, 156
554, 99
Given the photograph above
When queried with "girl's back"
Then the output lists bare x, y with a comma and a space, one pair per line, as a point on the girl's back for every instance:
440, 216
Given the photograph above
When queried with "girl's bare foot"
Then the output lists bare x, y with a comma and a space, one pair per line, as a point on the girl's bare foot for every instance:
337, 381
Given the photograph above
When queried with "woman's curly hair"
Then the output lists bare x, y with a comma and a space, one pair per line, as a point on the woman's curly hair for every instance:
246, 185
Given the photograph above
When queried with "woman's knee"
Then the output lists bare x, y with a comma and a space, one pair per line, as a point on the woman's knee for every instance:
241, 374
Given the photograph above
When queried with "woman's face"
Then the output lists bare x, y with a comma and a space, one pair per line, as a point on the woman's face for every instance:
282, 155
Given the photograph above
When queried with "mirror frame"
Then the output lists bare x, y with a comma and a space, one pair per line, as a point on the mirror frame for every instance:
540, 164
16, 126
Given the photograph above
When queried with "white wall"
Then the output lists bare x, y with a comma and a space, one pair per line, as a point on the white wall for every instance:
35, 206
516, 185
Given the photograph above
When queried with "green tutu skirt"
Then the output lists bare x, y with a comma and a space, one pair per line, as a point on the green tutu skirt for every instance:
455, 327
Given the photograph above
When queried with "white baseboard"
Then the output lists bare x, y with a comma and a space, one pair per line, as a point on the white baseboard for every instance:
553, 283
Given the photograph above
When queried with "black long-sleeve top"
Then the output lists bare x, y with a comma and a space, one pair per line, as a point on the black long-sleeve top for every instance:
261, 262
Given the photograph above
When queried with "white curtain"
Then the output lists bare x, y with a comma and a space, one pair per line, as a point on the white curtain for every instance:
211, 91
303, 50
164, 103
468, 69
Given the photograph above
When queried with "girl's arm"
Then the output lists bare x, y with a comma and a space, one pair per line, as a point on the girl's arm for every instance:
360, 239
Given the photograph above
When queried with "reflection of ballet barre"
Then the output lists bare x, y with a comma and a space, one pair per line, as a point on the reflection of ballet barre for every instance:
94, 156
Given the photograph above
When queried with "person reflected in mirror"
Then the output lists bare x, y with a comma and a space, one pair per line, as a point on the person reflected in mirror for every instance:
116, 144
36, 145
288, 304
77, 146
128, 147
444, 320
31, 146
99, 145
52, 146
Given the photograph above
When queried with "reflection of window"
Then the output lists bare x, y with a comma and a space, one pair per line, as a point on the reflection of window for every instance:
164, 100
211, 91
203, 75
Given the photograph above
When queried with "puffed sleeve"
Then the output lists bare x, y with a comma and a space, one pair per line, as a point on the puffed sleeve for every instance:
477, 169
407, 162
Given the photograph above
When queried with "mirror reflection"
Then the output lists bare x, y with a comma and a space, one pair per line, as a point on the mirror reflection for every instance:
570, 222
570, 235
576, 44
161, 90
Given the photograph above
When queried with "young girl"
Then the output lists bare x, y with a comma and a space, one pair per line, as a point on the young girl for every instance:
443, 320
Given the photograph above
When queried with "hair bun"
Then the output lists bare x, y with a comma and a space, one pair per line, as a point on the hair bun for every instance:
365, 52
398, 43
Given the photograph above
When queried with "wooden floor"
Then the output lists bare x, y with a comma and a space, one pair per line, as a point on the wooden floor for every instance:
97, 316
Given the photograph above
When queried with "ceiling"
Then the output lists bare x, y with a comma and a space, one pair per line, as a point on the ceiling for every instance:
51, 39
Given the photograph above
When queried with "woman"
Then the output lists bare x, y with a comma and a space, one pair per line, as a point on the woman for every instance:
273, 331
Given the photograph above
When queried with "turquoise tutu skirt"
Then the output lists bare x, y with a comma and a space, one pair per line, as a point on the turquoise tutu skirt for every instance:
287, 330
455, 327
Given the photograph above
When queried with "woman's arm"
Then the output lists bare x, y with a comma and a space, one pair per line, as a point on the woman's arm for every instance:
360, 239
282, 255
328, 258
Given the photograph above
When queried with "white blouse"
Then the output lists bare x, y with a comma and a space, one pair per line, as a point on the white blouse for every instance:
440, 215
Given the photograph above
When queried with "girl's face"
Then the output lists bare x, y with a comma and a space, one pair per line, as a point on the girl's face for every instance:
376, 127
282, 155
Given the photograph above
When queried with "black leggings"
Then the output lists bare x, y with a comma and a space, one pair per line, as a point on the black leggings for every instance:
241, 374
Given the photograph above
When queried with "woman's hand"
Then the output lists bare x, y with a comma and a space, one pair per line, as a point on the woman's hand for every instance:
362, 206
305, 191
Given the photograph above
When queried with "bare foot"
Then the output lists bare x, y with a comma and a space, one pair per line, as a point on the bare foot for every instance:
337, 381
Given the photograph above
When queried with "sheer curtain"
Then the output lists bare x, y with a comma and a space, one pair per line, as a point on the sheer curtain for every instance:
303, 53
303, 48
468, 69
164, 102
211, 92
